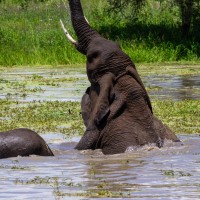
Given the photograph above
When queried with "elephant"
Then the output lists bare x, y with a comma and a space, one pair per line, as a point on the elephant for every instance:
22, 142
116, 108
95, 108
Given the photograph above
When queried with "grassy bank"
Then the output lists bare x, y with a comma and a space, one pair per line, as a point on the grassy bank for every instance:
31, 34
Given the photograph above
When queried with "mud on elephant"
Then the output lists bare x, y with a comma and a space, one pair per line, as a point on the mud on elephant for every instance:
116, 108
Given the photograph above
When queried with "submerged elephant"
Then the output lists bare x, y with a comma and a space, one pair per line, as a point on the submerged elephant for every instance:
116, 108
22, 142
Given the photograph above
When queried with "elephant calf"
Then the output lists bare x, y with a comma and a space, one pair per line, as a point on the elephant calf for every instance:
22, 142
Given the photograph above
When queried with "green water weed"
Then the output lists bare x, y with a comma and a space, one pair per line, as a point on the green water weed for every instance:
65, 117
42, 116
180, 116
174, 173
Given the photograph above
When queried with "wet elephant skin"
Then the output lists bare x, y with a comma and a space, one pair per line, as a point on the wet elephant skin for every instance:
116, 108
22, 142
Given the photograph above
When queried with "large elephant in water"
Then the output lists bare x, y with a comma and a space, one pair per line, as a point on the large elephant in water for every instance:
22, 142
116, 108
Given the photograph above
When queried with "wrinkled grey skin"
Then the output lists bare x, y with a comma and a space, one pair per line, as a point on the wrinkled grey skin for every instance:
116, 108
22, 142
95, 109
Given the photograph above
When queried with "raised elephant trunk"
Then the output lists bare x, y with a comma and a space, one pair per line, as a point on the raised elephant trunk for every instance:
83, 30
116, 108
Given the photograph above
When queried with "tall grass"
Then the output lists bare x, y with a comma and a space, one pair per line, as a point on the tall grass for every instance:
32, 35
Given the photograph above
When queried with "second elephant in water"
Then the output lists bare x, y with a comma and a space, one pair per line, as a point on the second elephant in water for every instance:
22, 142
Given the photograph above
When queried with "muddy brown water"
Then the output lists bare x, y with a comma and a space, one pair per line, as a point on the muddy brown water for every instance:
171, 172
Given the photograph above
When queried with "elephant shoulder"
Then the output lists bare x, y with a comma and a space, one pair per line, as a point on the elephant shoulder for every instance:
126, 83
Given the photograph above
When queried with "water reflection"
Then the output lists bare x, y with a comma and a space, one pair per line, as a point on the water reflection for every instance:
173, 87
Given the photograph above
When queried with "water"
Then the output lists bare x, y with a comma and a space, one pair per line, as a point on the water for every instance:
55, 84
174, 87
171, 172
146, 173
43, 84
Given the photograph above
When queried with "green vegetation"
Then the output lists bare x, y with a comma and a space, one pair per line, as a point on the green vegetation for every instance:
61, 185
47, 180
172, 173
186, 10
14, 167
55, 182
180, 116
168, 69
65, 117
30, 33
42, 117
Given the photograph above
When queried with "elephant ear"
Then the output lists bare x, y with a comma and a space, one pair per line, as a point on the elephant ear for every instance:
133, 72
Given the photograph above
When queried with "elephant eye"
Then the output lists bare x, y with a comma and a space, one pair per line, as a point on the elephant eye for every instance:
92, 56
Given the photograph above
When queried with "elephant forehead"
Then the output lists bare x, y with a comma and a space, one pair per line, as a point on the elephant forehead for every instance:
103, 44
